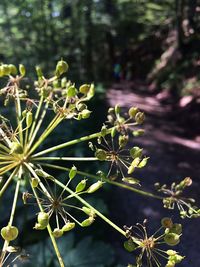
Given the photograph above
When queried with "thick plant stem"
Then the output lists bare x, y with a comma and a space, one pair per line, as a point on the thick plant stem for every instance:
49, 231
138, 191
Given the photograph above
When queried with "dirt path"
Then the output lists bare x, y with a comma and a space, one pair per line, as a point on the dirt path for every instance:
173, 157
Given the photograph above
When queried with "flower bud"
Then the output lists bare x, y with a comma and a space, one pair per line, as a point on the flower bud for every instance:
138, 132
9, 233
71, 91
136, 152
43, 218
72, 172
39, 72
68, 226
5, 70
133, 165
130, 180
57, 232
81, 186
63, 82
123, 140
176, 228
29, 119
34, 182
117, 109
133, 111
85, 114
143, 162
166, 222
84, 89
139, 117
38, 226
129, 245
101, 154
61, 67
43, 174
172, 239
87, 222
94, 187
88, 211
22, 69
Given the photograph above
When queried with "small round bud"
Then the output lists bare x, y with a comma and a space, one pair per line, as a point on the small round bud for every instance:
13, 69
9, 233
71, 91
171, 239
123, 140
176, 228
43, 218
139, 117
84, 89
138, 132
34, 182
87, 211
61, 67
166, 222
85, 114
133, 111
129, 245
101, 154
136, 152
63, 82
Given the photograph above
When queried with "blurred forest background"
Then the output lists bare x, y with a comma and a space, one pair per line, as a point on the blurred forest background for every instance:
137, 52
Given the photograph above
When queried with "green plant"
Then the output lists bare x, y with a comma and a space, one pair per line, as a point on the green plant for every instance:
28, 168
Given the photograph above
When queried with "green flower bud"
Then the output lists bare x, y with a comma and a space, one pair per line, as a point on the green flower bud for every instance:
123, 140
57, 232
72, 172
130, 180
84, 89
6, 70
138, 132
9, 233
29, 119
94, 187
91, 92
43, 174
176, 229
34, 182
16, 148
133, 111
87, 222
68, 226
87, 211
171, 252
143, 162
139, 117
81, 106
56, 84
38, 226
39, 72
172, 239
136, 152
166, 222
81, 186
133, 165
71, 91
129, 245
170, 264
85, 114
22, 70
13, 69
43, 218
101, 154
61, 67
113, 132
117, 109
63, 82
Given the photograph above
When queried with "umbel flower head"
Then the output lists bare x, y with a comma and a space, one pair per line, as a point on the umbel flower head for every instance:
150, 247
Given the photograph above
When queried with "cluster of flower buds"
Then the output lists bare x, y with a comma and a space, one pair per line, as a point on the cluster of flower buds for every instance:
175, 198
151, 246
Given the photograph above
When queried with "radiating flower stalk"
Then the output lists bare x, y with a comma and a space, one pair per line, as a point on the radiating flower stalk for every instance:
27, 166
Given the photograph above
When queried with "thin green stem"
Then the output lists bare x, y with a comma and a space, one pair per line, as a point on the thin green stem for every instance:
85, 174
69, 143
19, 113
49, 230
36, 117
45, 134
8, 182
67, 158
